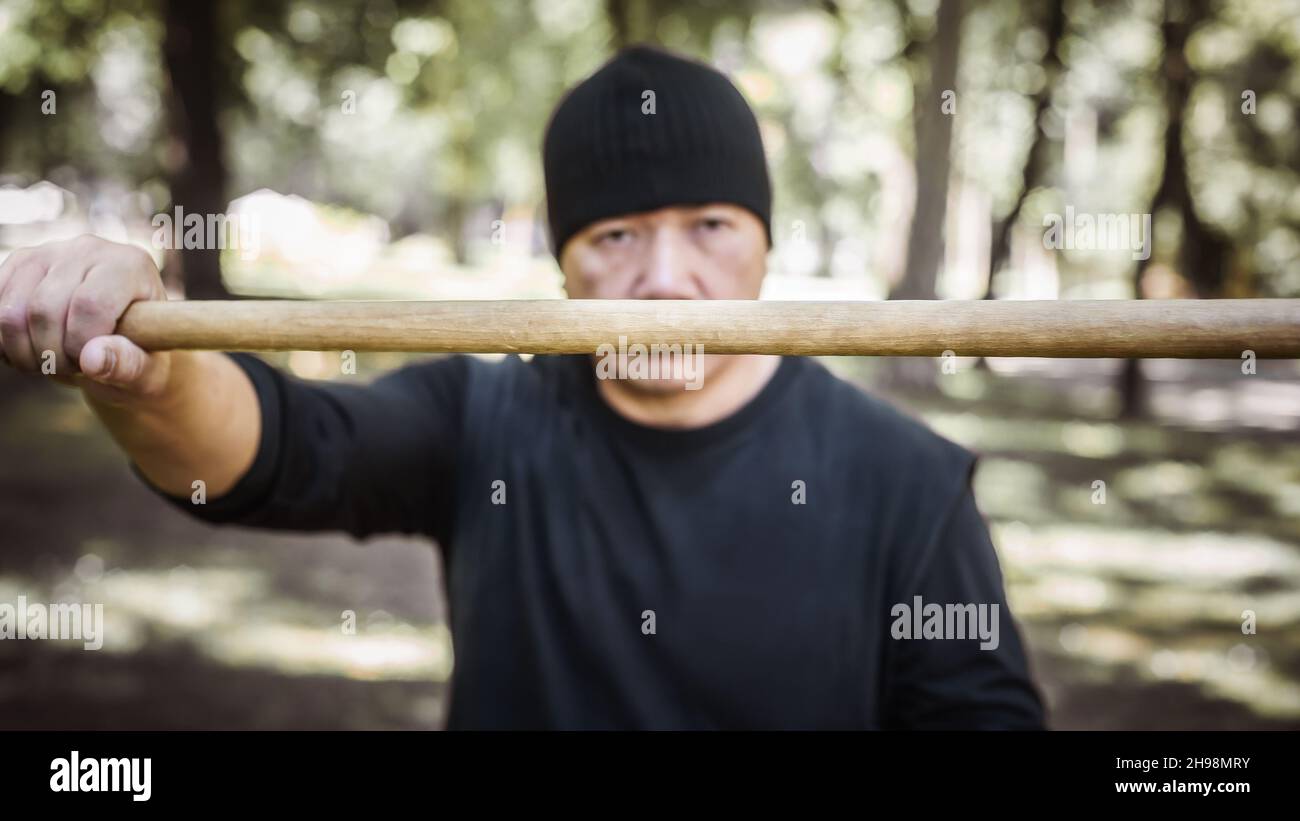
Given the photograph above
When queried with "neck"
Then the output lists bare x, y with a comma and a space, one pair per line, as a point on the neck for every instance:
730, 383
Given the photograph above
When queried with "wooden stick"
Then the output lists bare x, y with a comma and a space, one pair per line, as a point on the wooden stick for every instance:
1224, 328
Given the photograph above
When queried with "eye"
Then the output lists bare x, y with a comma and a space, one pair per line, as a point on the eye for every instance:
713, 223
613, 236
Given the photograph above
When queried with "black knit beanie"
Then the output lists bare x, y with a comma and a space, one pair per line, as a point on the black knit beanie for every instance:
605, 153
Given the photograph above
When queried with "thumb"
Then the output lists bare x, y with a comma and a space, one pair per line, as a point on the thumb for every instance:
119, 363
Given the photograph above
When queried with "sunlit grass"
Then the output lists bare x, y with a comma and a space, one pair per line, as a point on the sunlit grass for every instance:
229, 615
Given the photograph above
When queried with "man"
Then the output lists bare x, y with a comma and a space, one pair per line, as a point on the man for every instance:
619, 553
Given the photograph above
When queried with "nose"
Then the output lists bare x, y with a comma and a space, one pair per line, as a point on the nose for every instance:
669, 270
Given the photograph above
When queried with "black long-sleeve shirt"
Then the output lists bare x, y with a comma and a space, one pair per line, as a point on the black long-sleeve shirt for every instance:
606, 574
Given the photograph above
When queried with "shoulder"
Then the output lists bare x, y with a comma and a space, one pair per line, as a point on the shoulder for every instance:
875, 428
893, 458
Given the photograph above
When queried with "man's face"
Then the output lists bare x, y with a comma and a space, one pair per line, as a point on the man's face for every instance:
714, 251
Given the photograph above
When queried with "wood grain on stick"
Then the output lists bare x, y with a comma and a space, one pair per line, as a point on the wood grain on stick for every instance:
1209, 328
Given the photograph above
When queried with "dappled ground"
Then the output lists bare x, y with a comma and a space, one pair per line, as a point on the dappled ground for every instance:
1132, 607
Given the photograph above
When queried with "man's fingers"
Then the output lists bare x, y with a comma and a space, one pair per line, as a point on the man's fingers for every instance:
47, 312
15, 336
97, 304
56, 298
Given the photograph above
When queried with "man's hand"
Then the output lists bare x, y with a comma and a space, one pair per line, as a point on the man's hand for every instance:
59, 305
181, 416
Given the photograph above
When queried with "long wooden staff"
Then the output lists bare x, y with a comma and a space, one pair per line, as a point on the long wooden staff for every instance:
1210, 328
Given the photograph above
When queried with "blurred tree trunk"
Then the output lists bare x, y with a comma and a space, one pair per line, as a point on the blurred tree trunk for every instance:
9, 113
26, 135
933, 130
1203, 255
933, 74
631, 21
1035, 167
456, 217
198, 174
1036, 160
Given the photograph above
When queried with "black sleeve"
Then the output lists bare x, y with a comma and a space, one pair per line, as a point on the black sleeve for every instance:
953, 683
363, 459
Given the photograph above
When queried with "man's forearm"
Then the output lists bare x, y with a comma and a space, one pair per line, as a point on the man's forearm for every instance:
204, 425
